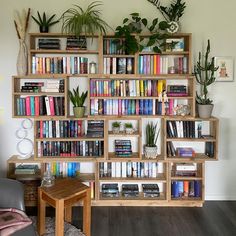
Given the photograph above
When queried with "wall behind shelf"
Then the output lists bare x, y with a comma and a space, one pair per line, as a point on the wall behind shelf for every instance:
204, 19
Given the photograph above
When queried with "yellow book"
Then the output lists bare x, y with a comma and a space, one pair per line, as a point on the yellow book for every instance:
155, 64
141, 88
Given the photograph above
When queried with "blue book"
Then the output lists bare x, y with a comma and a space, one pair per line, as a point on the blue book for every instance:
145, 106
150, 105
141, 107
181, 188
174, 189
32, 107
197, 188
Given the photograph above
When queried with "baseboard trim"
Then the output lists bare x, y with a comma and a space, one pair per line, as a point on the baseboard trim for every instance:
220, 198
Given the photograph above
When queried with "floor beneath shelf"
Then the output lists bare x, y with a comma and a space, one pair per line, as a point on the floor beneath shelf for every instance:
214, 218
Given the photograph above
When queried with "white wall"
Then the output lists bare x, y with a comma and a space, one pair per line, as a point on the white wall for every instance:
211, 19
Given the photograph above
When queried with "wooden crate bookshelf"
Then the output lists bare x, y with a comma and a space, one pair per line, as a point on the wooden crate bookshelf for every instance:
156, 100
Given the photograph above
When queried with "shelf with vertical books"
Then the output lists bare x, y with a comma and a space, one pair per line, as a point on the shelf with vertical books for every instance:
192, 138
54, 53
36, 96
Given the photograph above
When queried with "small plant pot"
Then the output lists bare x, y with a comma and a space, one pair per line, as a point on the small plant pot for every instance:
129, 130
79, 112
174, 27
43, 29
205, 111
150, 152
116, 130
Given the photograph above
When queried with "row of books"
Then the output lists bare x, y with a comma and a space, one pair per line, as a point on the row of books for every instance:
59, 65
49, 43
185, 188
157, 64
129, 169
40, 106
123, 148
70, 148
130, 190
124, 88
184, 129
114, 65
51, 85
95, 129
132, 107
113, 46
60, 128
26, 169
76, 43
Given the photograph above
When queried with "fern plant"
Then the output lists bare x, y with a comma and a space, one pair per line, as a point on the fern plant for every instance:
77, 99
151, 134
76, 20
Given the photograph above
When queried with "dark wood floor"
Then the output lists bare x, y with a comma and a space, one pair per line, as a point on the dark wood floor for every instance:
215, 218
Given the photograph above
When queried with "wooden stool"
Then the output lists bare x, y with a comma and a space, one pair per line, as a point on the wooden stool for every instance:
61, 196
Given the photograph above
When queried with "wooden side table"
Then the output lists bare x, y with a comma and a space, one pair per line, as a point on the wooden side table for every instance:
62, 195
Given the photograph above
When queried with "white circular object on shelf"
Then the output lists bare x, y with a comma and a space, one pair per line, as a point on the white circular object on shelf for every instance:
27, 124
25, 148
21, 133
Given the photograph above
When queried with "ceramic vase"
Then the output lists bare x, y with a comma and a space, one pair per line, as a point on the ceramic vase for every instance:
21, 64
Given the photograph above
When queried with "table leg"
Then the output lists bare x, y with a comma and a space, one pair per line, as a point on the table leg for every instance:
87, 213
41, 213
59, 221
68, 214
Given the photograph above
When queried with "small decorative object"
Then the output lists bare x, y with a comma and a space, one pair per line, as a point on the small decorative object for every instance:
25, 145
44, 23
182, 110
151, 139
116, 127
129, 128
226, 69
21, 22
48, 179
78, 101
171, 14
89, 21
204, 72
92, 67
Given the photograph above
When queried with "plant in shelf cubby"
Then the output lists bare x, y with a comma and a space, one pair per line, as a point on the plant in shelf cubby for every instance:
78, 101
152, 134
116, 127
129, 129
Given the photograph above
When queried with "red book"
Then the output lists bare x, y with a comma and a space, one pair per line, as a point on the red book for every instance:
27, 104
158, 66
36, 103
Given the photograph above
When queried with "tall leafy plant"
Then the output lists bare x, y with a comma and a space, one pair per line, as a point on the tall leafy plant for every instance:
204, 72
76, 20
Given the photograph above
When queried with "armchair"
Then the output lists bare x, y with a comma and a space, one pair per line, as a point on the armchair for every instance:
12, 196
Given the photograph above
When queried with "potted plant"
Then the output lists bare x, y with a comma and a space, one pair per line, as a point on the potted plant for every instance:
44, 23
204, 72
78, 21
171, 14
78, 101
152, 135
116, 127
129, 128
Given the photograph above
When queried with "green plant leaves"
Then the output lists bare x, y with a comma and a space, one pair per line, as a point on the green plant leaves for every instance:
43, 21
75, 97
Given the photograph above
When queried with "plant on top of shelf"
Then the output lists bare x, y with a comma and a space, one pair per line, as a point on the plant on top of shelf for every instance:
78, 21
78, 101
129, 128
44, 23
116, 127
171, 14
152, 135
133, 27
204, 72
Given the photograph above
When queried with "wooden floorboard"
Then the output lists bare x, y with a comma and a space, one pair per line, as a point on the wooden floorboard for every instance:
213, 219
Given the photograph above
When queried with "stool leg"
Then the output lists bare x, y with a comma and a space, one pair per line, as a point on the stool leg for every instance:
68, 214
59, 224
41, 213
87, 213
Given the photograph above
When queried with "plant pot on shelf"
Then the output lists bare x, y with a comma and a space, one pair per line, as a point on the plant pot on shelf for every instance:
205, 111
174, 27
150, 152
43, 29
79, 112
116, 130
129, 130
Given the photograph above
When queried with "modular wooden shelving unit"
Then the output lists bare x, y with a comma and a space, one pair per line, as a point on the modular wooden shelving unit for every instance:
167, 163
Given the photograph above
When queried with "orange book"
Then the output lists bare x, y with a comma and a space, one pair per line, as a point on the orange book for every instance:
155, 64
186, 188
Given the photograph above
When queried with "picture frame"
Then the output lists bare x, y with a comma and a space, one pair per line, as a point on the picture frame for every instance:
225, 73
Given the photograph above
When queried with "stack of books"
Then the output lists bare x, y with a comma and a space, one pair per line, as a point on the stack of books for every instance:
26, 169
185, 152
74, 43
54, 86
150, 190
123, 148
110, 190
130, 190
32, 87
186, 169
95, 129
47, 43
177, 90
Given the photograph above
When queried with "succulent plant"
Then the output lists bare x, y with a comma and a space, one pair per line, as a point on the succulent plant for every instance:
116, 124
77, 99
152, 134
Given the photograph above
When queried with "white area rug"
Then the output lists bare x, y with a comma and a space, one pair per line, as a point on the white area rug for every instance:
69, 230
